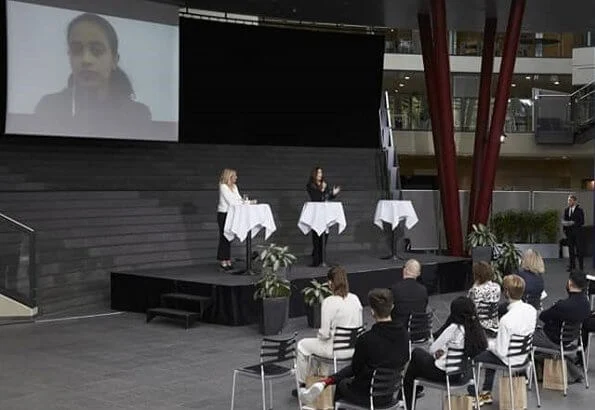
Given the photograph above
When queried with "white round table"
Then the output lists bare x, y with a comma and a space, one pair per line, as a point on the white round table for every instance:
319, 217
393, 212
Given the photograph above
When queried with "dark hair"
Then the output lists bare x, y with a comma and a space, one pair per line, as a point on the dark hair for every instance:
482, 272
338, 276
119, 82
381, 301
579, 279
572, 196
313, 174
462, 312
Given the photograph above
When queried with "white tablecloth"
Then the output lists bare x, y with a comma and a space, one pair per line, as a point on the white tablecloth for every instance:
320, 216
393, 212
244, 218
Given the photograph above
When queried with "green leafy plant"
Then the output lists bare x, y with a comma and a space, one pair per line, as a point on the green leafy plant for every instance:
548, 227
480, 236
316, 293
273, 257
507, 259
525, 226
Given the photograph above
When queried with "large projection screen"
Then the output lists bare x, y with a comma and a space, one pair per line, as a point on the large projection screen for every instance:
105, 69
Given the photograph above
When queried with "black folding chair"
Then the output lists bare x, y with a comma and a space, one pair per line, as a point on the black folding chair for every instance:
385, 383
420, 330
519, 346
571, 343
344, 339
273, 353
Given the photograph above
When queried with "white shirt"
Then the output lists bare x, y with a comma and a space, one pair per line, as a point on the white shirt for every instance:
228, 197
452, 337
520, 320
338, 311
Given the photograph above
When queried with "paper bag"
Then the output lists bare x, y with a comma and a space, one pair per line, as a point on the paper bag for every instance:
519, 386
553, 376
326, 400
459, 402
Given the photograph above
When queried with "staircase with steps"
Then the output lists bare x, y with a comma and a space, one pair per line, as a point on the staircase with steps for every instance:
99, 207
178, 306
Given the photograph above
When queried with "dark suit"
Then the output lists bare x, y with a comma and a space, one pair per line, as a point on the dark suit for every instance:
575, 242
317, 195
409, 297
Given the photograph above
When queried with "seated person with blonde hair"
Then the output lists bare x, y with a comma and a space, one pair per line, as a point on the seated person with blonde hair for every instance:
531, 270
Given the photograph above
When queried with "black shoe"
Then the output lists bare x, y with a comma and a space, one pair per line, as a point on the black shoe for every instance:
294, 393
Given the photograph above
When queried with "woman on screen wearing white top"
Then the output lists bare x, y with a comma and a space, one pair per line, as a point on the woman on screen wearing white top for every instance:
342, 309
99, 98
228, 196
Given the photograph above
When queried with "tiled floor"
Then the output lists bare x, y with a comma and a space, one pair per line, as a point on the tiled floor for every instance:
119, 362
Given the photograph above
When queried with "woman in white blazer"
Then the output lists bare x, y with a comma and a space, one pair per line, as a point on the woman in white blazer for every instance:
341, 309
229, 195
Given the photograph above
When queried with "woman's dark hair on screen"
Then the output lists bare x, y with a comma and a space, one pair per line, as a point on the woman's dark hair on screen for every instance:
120, 84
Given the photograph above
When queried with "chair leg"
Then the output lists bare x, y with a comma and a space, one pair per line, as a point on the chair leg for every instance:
585, 367
448, 397
297, 385
271, 394
264, 396
413, 395
403, 396
535, 379
512, 403
564, 375
476, 384
233, 389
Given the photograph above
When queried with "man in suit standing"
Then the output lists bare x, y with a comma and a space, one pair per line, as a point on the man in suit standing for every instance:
575, 219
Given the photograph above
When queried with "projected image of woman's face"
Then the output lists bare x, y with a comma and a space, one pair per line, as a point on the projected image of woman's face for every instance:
91, 58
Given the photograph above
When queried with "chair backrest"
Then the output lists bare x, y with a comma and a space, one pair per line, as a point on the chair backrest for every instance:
385, 383
570, 333
278, 350
487, 310
344, 338
457, 362
420, 327
533, 300
520, 345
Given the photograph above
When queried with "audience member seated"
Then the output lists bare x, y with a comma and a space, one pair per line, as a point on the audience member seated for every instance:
532, 270
573, 309
520, 320
465, 332
485, 291
342, 309
385, 345
409, 295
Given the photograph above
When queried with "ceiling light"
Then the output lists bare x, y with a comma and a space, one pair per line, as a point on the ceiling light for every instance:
556, 82
503, 138
528, 77
407, 77
401, 85
513, 84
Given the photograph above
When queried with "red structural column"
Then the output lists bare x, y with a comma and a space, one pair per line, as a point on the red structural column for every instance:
483, 114
441, 70
511, 42
427, 51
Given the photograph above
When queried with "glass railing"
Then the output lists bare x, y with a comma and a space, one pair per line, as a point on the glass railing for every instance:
411, 113
461, 43
18, 278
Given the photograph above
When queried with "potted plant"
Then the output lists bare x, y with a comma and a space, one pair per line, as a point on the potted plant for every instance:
507, 260
482, 242
273, 290
313, 297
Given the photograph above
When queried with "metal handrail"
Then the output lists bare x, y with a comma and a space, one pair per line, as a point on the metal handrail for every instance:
32, 267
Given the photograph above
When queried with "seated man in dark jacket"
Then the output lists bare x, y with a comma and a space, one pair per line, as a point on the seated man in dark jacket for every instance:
573, 309
409, 295
383, 346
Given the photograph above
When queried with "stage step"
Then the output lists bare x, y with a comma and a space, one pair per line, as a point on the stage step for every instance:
188, 317
203, 301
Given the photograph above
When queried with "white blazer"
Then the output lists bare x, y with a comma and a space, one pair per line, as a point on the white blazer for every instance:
228, 197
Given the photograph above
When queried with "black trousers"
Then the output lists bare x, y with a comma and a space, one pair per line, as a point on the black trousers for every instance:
588, 327
575, 249
317, 256
224, 249
421, 365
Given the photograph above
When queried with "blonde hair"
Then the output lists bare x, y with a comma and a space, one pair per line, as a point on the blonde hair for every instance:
532, 262
514, 285
226, 175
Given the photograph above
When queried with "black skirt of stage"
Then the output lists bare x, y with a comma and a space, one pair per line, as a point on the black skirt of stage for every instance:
233, 303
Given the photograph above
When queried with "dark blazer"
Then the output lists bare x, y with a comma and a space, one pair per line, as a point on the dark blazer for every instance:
385, 345
533, 284
578, 216
316, 195
409, 296
574, 309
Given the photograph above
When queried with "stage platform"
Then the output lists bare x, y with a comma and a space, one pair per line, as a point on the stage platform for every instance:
233, 304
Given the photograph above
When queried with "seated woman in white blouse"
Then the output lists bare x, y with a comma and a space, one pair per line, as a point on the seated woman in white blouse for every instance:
342, 309
228, 196
463, 332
